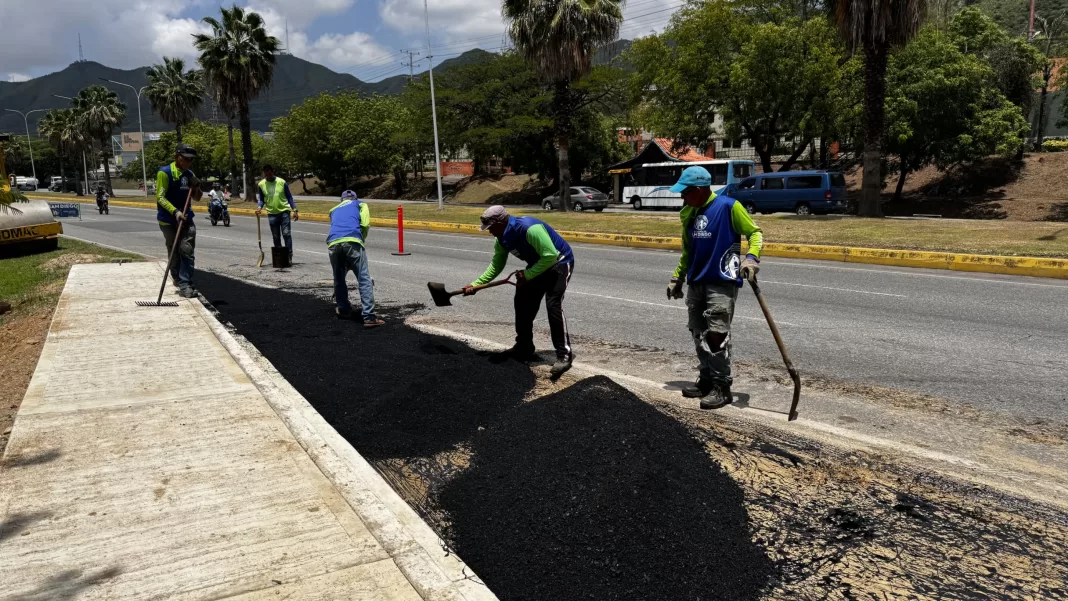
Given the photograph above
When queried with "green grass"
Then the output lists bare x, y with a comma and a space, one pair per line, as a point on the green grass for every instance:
979, 236
31, 280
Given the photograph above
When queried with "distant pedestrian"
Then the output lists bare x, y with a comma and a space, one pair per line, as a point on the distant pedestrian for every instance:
550, 264
712, 227
173, 185
273, 193
349, 224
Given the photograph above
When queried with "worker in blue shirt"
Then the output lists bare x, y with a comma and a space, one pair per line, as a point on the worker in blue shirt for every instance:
349, 223
273, 193
712, 269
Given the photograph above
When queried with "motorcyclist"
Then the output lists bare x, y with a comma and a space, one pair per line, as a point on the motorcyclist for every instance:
101, 199
217, 204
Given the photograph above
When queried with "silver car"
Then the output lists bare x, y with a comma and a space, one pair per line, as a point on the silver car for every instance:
582, 198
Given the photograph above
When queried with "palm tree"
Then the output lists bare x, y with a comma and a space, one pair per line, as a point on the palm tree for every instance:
874, 27
238, 61
175, 93
559, 38
61, 128
99, 113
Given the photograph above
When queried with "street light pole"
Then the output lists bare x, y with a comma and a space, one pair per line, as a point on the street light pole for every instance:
85, 166
29, 143
433, 106
144, 172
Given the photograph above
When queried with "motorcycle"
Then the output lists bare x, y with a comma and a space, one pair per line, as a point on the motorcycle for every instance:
218, 211
102, 202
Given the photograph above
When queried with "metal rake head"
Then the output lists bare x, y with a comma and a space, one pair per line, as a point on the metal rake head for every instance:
155, 304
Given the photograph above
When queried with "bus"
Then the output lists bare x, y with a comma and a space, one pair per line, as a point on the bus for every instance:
648, 185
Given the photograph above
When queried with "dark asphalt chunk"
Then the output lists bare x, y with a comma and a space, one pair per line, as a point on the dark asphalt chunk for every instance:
591, 493
392, 392
588, 493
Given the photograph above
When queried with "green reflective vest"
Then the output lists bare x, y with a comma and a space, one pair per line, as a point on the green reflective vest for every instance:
276, 202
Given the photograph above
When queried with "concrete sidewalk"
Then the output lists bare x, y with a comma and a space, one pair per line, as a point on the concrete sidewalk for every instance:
153, 458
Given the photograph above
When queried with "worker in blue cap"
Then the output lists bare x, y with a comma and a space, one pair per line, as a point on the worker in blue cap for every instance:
711, 267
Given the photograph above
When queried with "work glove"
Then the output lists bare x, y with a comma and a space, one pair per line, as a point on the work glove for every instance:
179, 215
520, 278
750, 268
194, 183
469, 290
674, 289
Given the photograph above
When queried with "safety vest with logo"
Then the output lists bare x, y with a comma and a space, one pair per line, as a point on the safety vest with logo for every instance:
177, 190
514, 240
714, 245
275, 202
345, 223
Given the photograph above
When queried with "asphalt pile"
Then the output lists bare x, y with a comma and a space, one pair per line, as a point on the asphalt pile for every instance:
585, 493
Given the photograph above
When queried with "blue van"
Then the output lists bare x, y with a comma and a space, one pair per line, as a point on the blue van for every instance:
800, 192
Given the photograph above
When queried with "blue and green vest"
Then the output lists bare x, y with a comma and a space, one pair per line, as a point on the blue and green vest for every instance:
177, 191
714, 245
514, 240
345, 223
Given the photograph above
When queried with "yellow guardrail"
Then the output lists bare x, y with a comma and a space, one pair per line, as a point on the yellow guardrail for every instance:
1008, 265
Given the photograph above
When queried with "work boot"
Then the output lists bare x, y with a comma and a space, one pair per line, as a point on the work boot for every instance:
374, 322
187, 292
562, 365
523, 355
719, 396
699, 389
346, 316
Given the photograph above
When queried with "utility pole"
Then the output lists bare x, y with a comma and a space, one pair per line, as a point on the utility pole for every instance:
1031, 23
433, 106
144, 172
85, 165
411, 64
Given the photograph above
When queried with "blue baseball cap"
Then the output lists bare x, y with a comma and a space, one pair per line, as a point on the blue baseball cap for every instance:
348, 195
692, 177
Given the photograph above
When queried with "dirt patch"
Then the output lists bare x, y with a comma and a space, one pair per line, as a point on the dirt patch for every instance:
506, 189
584, 490
65, 261
21, 338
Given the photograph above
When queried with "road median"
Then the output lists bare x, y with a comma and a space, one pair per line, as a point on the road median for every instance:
1049, 267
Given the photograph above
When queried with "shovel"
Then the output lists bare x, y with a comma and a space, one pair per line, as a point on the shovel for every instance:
782, 350
259, 240
442, 297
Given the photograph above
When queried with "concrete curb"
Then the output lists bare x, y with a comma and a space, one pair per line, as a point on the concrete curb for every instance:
433, 570
1006, 265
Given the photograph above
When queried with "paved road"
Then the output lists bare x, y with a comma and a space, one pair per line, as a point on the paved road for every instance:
998, 342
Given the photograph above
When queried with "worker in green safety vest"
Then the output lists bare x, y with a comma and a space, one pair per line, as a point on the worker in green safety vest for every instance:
274, 195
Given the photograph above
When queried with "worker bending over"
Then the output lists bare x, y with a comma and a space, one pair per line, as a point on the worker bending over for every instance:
349, 222
548, 272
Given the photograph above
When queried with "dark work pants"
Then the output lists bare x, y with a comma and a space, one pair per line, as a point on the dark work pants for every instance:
550, 285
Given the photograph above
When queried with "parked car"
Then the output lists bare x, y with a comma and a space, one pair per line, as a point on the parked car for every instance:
70, 184
151, 187
582, 198
800, 192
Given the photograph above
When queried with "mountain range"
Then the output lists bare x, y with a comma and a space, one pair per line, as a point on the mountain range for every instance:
294, 80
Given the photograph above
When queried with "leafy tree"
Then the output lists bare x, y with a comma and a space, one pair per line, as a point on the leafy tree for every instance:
99, 112
873, 28
175, 93
303, 139
943, 107
770, 80
210, 142
61, 128
238, 60
559, 38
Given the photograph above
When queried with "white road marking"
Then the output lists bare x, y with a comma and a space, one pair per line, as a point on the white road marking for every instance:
316, 252
465, 250
677, 307
829, 288
791, 263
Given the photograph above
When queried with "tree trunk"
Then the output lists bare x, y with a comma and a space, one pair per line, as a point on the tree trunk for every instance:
105, 147
901, 180
793, 157
874, 121
62, 176
303, 184
233, 157
562, 127
82, 178
764, 153
177, 132
246, 151
1040, 125
823, 152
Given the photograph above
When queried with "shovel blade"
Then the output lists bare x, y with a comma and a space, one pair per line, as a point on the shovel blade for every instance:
439, 294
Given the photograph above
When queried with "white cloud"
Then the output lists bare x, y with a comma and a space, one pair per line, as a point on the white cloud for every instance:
451, 21
17, 77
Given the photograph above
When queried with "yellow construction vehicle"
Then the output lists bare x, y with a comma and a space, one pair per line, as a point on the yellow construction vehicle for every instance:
25, 225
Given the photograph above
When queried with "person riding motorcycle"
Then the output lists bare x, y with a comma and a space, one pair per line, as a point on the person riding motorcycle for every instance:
217, 207
101, 199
